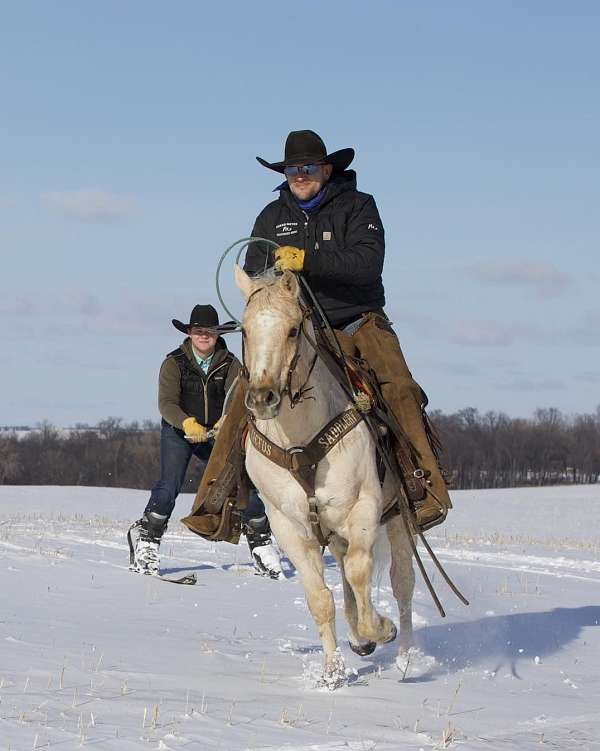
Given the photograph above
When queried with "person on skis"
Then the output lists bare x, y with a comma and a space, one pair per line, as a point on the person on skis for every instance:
333, 234
193, 383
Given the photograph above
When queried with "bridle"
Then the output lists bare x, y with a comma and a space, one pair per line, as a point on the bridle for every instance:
301, 393
295, 397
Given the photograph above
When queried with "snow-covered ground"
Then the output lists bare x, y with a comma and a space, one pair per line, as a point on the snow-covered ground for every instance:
94, 656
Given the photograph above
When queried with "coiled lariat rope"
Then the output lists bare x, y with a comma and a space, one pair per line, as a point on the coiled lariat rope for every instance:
243, 243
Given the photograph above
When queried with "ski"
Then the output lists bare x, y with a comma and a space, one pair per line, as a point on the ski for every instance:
187, 579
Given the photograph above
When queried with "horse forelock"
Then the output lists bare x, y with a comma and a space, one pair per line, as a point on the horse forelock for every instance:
271, 296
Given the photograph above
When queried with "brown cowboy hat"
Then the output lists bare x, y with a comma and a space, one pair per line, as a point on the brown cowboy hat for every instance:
205, 317
307, 147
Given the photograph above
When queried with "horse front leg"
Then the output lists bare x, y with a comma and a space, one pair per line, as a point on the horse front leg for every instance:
306, 556
361, 530
339, 548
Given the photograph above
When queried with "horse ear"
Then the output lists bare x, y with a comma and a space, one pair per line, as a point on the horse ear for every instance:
243, 281
289, 282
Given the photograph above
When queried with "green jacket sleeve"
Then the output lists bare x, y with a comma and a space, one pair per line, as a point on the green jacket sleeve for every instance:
169, 392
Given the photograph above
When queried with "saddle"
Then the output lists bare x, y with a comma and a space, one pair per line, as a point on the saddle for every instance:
392, 442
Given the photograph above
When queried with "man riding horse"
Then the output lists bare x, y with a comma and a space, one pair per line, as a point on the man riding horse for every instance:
333, 234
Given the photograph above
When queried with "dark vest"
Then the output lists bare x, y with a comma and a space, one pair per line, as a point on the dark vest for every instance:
202, 396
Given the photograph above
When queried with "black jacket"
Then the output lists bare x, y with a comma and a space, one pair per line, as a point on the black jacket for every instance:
186, 391
344, 246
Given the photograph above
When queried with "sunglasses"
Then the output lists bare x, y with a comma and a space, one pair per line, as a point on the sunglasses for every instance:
305, 169
197, 331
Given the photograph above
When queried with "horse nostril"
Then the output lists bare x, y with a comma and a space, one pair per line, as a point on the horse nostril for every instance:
257, 398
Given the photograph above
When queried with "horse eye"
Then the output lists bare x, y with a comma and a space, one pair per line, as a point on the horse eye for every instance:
293, 332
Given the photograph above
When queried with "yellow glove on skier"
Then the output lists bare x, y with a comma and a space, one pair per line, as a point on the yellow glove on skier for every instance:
194, 432
289, 257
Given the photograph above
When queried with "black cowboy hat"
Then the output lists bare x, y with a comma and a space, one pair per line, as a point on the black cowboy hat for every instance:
205, 317
307, 147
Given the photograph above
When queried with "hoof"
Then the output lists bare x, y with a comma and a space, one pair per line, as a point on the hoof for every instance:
393, 634
334, 674
363, 649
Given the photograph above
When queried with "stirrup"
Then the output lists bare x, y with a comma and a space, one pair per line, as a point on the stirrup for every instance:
429, 512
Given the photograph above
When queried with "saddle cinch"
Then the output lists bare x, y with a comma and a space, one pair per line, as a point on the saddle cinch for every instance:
216, 513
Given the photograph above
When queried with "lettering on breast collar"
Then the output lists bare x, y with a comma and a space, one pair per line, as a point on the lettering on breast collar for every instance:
339, 428
260, 444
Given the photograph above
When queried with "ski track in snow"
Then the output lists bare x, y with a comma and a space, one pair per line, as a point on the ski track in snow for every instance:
543, 565
533, 564
94, 656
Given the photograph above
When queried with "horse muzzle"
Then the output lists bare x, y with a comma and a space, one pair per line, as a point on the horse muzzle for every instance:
263, 401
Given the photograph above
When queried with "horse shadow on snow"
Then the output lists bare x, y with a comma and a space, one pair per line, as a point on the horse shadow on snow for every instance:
498, 640
502, 640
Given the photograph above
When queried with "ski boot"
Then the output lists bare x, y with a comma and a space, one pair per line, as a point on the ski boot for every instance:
144, 558
264, 554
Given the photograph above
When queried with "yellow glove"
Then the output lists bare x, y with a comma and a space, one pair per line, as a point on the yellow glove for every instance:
194, 432
289, 257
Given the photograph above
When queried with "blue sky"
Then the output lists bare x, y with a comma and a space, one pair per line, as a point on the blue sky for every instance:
129, 132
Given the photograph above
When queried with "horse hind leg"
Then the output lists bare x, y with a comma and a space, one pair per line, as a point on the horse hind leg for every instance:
402, 578
411, 661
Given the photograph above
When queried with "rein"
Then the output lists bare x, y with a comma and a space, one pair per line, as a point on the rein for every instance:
390, 462
303, 390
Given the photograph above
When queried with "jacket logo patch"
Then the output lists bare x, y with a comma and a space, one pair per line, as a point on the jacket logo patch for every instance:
286, 228
326, 235
373, 226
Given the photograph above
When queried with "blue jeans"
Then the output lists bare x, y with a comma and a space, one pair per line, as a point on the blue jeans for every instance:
175, 455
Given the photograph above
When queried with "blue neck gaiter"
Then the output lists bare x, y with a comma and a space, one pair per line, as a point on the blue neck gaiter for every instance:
312, 203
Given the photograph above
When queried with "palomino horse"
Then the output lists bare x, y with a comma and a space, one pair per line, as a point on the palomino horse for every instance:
279, 360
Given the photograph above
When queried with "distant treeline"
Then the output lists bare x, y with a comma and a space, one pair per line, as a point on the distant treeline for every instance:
112, 454
493, 450
488, 450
